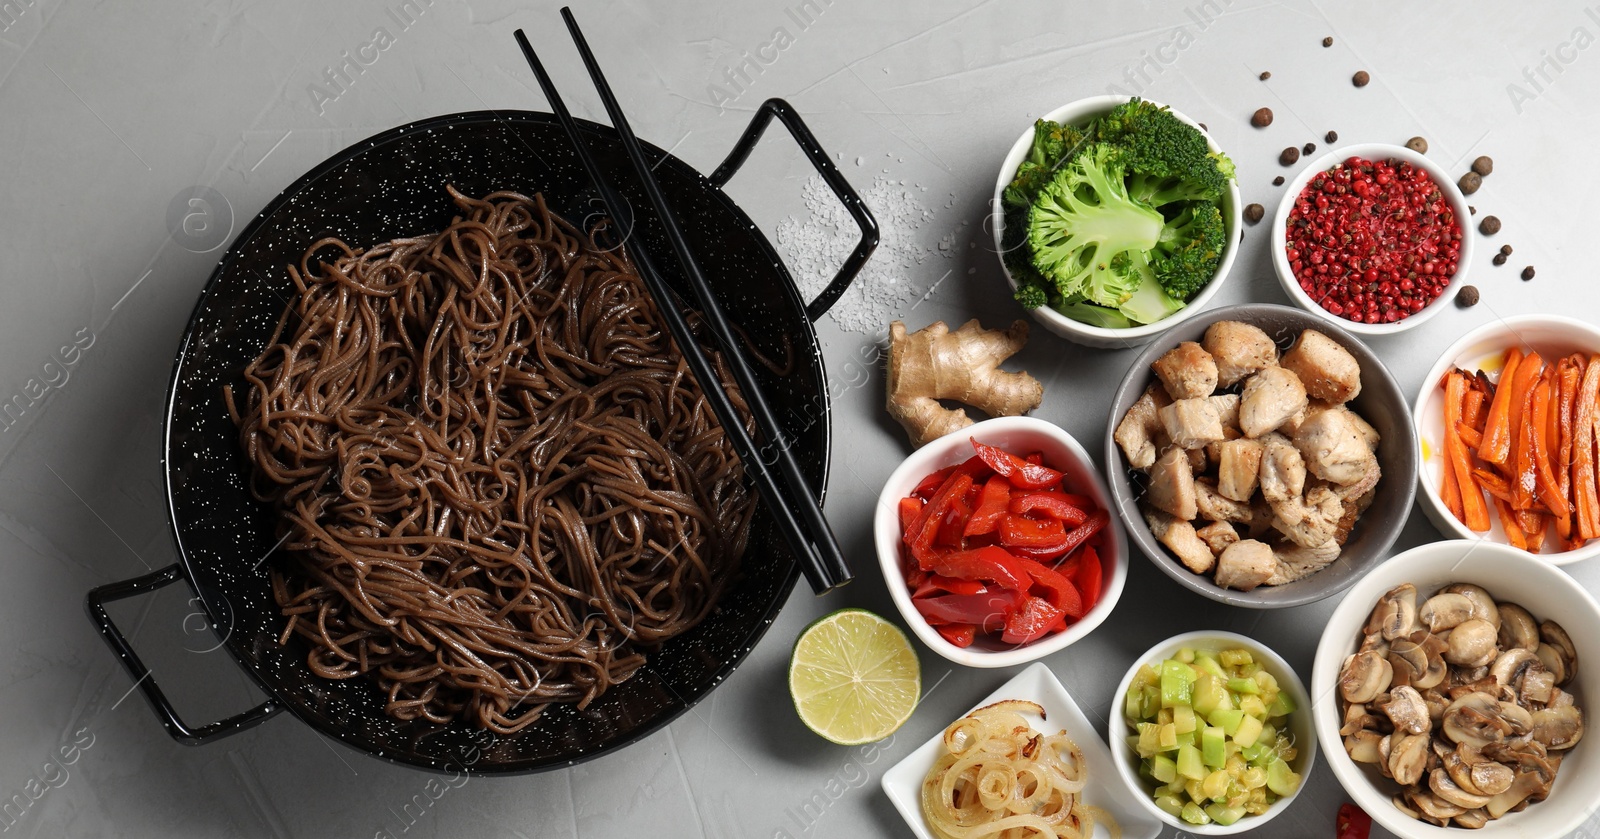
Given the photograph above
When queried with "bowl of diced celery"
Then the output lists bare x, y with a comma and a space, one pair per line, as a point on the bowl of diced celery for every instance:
1214, 731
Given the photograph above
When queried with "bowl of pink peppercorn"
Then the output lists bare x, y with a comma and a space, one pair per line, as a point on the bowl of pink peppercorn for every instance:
1372, 237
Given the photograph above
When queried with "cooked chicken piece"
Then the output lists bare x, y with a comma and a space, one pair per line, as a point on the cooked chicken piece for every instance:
1180, 537
1328, 370
1283, 470
1260, 524
1369, 435
1218, 535
1245, 564
1238, 349
1353, 509
1172, 484
1191, 423
1333, 447
1197, 460
1214, 506
1295, 562
1227, 405
1270, 397
1139, 427
1311, 520
1239, 468
1188, 371
1363, 487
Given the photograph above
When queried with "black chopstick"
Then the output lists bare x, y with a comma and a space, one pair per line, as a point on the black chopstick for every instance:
812, 540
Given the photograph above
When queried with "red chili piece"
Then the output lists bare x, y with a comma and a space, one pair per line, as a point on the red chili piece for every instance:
1056, 505
1021, 473
993, 502
1353, 822
1035, 619
1373, 241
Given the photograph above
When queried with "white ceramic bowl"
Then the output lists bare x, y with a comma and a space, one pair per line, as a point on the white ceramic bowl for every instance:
1014, 434
1509, 575
1299, 727
1553, 337
1371, 151
1080, 113
903, 782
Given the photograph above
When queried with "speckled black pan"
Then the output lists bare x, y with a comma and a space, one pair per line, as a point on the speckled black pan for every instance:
394, 185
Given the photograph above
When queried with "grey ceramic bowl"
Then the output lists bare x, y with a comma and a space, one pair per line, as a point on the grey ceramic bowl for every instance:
1380, 402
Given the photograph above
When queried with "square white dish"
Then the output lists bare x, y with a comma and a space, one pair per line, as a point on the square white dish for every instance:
903, 782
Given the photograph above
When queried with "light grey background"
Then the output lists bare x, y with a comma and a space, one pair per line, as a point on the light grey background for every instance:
112, 112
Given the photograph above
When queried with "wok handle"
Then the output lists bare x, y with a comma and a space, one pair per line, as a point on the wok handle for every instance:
830, 174
180, 730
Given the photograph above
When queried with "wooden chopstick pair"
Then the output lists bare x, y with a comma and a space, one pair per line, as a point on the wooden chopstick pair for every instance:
776, 471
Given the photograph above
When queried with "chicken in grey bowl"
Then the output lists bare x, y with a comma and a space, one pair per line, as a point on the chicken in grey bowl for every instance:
1261, 456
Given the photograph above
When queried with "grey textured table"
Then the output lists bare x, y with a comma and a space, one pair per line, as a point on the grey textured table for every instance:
116, 115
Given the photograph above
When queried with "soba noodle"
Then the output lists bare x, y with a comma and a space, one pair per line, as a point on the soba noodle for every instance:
498, 483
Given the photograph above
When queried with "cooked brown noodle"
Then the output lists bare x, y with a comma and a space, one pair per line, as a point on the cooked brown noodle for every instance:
498, 482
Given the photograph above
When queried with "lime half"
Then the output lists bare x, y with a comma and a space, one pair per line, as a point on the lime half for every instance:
854, 677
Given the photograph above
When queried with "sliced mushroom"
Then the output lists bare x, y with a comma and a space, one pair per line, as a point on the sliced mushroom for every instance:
1418, 660
1551, 633
1400, 803
1357, 718
1436, 809
1437, 702
1396, 614
1491, 777
1444, 611
1538, 686
1365, 675
1374, 641
1364, 746
1473, 772
1442, 786
1517, 628
1407, 710
1408, 757
1511, 666
1534, 777
1476, 719
1554, 661
1561, 699
1472, 643
1472, 819
1483, 605
1557, 728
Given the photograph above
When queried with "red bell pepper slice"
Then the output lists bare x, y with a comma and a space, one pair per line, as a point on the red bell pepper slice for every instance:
1036, 458
1058, 591
909, 508
1353, 822
1025, 532
919, 538
1052, 504
1034, 620
937, 584
955, 521
988, 610
960, 634
992, 505
973, 466
1021, 473
992, 563
1087, 576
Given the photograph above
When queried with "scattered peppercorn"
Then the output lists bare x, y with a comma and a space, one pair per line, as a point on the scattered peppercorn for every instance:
1261, 118
1527, 273
1266, 74
1470, 182
1328, 41
1309, 148
1278, 181
1290, 156
1489, 226
1203, 127
1483, 165
1361, 78
1467, 297
1332, 137
1418, 145
1499, 259
1254, 212
1471, 209
1505, 249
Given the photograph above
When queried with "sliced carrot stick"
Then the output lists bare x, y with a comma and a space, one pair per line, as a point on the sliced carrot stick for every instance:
1475, 515
1533, 527
1497, 429
1472, 411
1585, 495
1450, 488
1545, 480
1508, 520
1523, 477
1569, 369
1493, 483
1472, 437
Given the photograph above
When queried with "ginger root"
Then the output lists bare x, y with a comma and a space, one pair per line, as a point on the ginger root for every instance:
934, 363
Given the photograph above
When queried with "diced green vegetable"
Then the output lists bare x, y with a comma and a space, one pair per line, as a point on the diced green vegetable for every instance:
1165, 769
1282, 706
1183, 719
1189, 764
1281, 779
1213, 746
1223, 814
1177, 684
1244, 686
1227, 720
1194, 815
1248, 732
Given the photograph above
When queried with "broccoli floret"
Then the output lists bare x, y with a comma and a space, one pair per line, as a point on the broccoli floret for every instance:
1096, 315
1189, 250
1150, 302
1167, 160
1087, 236
1052, 144
1031, 296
